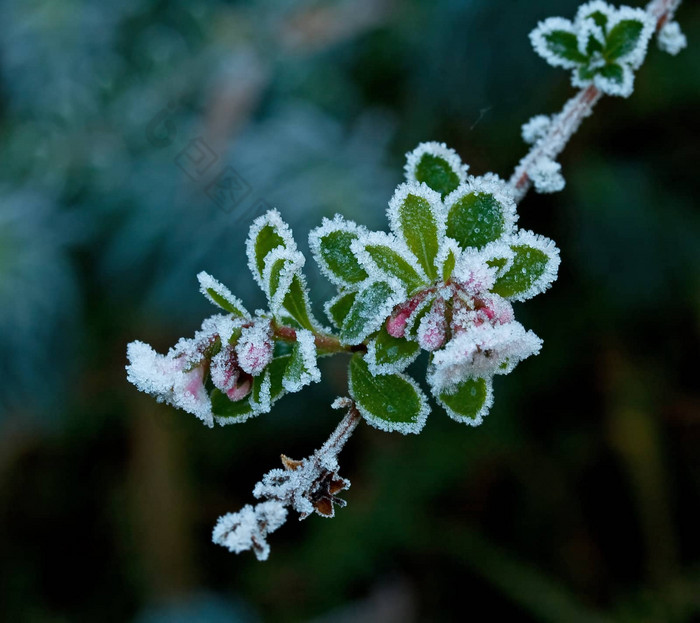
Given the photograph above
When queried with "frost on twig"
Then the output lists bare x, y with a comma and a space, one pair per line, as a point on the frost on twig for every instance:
307, 486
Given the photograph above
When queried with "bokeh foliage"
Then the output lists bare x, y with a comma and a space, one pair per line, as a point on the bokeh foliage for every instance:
578, 499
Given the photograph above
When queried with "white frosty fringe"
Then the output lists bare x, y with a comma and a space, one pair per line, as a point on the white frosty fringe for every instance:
596, 6
479, 417
546, 176
437, 209
440, 150
671, 39
249, 527
481, 352
539, 41
164, 377
547, 246
399, 365
535, 128
207, 282
274, 219
380, 238
307, 352
493, 185
262, 403
338, 223
497, 250
293, 263
405, 428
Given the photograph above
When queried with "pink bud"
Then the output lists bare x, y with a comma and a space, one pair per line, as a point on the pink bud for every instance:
396, 323
254, 348
240, 389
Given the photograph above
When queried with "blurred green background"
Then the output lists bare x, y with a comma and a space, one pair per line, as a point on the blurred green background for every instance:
578, 499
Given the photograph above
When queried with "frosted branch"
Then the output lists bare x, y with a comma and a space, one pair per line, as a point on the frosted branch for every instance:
307, 486
554, 136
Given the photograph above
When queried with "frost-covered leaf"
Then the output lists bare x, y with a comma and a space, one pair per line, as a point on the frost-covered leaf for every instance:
387, 354
339, 306
615, 79
468, 402
480, 212
372, 305
555, 40
268, 232
330, 245
436, 165
416, 215
285, 287
382, 255
415, 318
532, 269
391, 402
447, 258
220, 295
301, 369
296, 303
623, 38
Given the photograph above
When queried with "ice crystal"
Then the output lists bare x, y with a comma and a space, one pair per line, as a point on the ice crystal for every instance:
671, 39
249, 527
546, 176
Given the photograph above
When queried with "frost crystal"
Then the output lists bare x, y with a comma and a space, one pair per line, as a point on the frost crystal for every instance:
671, 39
249, 527
546, 176
536, 128
480, 352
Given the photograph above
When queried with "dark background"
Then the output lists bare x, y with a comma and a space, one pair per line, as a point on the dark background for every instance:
578, 499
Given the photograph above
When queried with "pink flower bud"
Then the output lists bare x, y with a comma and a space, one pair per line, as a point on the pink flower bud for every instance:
254, 347
396, 323
433, 327
240, 389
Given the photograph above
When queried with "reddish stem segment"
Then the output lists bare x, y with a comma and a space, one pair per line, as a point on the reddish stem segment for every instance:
565, 124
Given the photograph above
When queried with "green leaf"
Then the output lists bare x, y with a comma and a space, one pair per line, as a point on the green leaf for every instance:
564, 45
390, 402
437, 173
371, 306
296, 302
266, 240
392, 263
622, 39
231, 412
469, 403
533, 268
448, 265
601, 19
417, 221
612, 71
334, 248
476, 219
586, 73
339, 307
593, 45
387, 354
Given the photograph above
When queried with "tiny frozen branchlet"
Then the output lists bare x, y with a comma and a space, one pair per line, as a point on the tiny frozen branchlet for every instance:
443, 281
